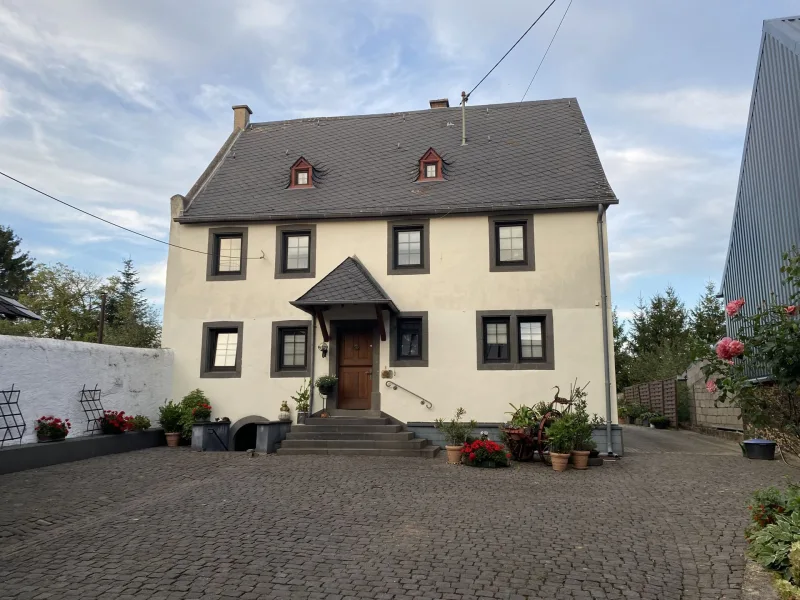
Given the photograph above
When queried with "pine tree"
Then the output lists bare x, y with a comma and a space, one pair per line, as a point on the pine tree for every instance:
708, 317
16, 267
130, 319
663, 320
622, 357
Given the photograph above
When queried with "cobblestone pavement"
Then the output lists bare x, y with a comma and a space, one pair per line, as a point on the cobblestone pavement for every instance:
663, 523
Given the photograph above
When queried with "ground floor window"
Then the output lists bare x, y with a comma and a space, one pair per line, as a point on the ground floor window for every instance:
291, 349
221, 352
409, 340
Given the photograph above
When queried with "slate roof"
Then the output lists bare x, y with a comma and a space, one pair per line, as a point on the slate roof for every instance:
522, 155
349, 283
12, 309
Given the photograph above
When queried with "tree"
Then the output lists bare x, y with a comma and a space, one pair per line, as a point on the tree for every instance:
664, 319
707, 318
16, 267
130, 319
622, 358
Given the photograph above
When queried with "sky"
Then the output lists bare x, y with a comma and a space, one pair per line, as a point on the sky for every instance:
115, 106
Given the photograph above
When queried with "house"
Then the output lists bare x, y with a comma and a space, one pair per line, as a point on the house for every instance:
766, 217
13, 310
426, 273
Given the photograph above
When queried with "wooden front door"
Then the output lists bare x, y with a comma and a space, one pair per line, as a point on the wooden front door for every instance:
355, 369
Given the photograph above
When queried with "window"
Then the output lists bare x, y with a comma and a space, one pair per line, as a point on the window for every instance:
511, 243
408, 249
221, 353
301, 177
515, 340
430, 170
291, 349
295, 252
227, 253
430, 166
408, 339
302, 174
496, 345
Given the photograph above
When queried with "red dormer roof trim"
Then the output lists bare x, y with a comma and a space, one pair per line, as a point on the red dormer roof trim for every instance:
301, 166
431, 157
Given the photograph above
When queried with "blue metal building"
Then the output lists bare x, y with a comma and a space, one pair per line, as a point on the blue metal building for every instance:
766, 217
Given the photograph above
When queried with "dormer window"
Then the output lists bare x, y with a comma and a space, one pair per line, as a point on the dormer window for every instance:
301, 174
430, 166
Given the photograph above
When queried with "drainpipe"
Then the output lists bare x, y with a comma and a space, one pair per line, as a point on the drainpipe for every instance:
601, 211
313, 356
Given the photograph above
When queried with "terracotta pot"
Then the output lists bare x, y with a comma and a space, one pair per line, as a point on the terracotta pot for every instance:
559, 461
173, 439
453, 455
580, 459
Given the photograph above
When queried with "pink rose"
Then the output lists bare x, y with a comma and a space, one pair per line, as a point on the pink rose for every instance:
736, 348
711, 386
734, 306
791, 310
724, 348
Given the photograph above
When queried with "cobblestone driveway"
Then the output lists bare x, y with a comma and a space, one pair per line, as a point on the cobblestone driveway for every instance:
663, 523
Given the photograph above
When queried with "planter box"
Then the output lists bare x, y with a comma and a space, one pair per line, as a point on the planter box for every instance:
270, 435
211, 436
34, 455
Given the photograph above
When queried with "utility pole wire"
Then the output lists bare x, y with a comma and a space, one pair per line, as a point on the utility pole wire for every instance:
512, 47
553, 39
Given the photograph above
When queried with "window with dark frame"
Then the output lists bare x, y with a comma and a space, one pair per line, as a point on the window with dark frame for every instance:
510, 240
496, 340
430, 170
222, 349
408, 251
228, 254
531, 339
409, 338
301, 177
293, 349
296, 248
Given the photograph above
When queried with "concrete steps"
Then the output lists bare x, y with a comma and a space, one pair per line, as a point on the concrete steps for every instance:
350, 435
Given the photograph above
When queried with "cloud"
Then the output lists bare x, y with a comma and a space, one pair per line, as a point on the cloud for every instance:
708, 109
153, 275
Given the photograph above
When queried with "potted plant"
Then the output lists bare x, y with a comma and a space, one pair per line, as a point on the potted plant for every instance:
302, 400
455, 433
485, 453
115, 422
326, 384
659, 422
187, 405
561, 436
582, 427
623, 411
52, 429
140, 423
201, 412
646, 416
285, 414
170, 417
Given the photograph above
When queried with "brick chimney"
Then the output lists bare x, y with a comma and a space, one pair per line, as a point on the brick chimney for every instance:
241, 116
440, 103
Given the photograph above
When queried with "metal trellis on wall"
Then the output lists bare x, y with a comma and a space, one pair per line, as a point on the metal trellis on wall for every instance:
12, 425
92, 408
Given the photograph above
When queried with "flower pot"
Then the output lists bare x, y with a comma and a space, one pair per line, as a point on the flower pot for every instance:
759, 449
580, 459
173, 439
43, 439
559, 461
109, 430
453, 455
301, 418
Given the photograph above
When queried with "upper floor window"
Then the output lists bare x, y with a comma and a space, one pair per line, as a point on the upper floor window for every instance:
515, 339
302, 174
227, 253
430, 166
408, 244
511, 243
408, 250
295, 252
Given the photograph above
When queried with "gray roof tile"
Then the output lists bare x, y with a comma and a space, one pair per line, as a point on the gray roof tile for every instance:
522, 155
349, 283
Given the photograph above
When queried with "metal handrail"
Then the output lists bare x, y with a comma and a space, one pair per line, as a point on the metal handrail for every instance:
394, 386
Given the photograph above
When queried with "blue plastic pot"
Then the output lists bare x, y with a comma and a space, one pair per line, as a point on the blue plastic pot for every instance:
759, 449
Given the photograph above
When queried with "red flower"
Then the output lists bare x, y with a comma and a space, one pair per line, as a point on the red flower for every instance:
472, 456
791, 310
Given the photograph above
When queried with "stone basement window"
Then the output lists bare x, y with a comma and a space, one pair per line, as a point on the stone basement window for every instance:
515, 340
221, 352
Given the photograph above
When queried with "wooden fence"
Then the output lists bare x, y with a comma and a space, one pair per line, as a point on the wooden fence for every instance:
656, 396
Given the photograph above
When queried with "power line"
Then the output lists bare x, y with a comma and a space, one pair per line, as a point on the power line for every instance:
512, 47
80, 210
545, 52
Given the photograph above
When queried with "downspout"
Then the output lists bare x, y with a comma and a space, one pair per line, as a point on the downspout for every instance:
313, 356
601, 211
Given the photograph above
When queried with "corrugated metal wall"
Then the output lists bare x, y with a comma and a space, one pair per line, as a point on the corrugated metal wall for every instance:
766, 219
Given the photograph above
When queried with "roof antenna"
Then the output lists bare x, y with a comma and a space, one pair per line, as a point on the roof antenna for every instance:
464, 98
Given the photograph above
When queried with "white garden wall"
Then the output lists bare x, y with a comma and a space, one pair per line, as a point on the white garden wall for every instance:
51, 373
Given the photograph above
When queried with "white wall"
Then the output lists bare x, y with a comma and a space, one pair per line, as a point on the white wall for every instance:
51, 373
566, 279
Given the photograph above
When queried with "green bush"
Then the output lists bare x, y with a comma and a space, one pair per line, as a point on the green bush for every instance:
770, 546
189, 402
169, 416
561, 434
455, 430
140, 423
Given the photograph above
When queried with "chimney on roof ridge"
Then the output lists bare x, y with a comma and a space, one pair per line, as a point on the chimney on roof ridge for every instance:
440, 103
241, 116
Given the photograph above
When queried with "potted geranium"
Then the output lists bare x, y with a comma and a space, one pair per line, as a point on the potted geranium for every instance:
561, 437
485, 453
115, 422
51, 429
455, 433
201, 412
170, 416
326, 384
302, 401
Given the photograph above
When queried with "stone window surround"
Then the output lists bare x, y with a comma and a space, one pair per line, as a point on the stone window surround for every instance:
514, 363
425, 238
211, 264
280, 233
394, 359
275, 369
209, 331
529, 263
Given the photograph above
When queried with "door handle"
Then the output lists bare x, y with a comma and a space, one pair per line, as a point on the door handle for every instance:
369, 374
